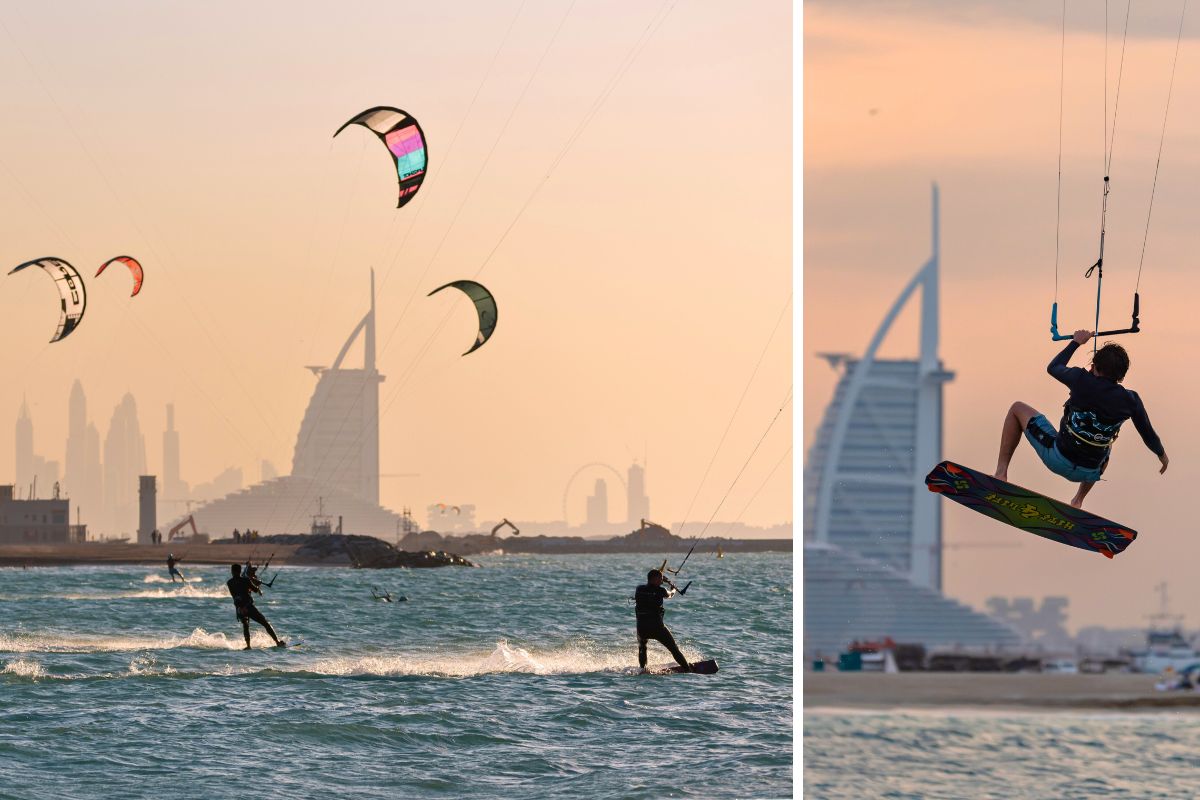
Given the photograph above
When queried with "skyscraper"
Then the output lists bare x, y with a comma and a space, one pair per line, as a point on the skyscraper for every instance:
882, 432
597, 506
76, 436
24, 448
32, 471
637, 501
873, 533
173, 485
335, 465
338, 444
84, 479
124, 462
91, 500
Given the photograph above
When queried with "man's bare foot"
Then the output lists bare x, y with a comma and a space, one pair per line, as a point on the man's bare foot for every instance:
1000, 475
1076, 502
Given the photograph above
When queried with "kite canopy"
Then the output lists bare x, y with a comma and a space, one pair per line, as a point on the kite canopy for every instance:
485, 305
405, 141
73, 296
135, 269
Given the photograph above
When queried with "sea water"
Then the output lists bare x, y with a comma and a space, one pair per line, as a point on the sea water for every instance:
959, 754
517, 679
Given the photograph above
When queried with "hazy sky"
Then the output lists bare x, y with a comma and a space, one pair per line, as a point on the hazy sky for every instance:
619, 171
967, 95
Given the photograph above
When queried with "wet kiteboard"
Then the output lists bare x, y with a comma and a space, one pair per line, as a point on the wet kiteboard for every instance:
1029, 511
708, 667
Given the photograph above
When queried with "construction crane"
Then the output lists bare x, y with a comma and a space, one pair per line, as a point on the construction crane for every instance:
516, 531
188, 521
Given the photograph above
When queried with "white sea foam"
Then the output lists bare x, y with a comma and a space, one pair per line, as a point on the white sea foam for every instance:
186, 591
84, 643
24, 668
148, 665
503, 658
161, 579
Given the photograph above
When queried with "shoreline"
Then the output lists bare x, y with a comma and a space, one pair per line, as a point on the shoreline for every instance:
996, 691
101, 553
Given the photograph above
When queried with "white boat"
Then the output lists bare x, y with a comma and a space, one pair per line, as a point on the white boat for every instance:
1166, 646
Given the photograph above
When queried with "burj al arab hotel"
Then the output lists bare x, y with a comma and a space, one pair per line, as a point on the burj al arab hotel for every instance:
872, 531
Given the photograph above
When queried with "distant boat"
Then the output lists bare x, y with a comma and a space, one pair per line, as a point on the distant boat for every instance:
1166, 645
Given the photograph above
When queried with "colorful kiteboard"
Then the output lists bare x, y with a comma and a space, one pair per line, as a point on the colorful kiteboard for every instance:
708, 667
1029, 511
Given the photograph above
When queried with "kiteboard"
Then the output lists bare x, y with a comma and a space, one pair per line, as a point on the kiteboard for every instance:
1029, 511
708, 667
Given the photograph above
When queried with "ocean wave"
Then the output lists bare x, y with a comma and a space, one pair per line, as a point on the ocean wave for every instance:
161, 579
85, 643
24, 668
185, 591
504, 658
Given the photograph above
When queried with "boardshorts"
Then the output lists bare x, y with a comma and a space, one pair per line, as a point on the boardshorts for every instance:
1043, 437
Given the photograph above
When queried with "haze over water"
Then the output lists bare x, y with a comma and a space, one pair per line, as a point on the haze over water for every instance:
515, 680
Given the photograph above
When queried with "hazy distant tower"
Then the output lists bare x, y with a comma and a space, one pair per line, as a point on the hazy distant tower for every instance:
92, 496
638, 502
76, 440
124, 461
597, 505
24, 448
31, 469
83, 476
338, 443
147, 508
173, 485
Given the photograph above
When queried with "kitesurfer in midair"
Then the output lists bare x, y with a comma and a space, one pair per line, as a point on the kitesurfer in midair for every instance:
1092, 416
172, 570
242, 588
648, 600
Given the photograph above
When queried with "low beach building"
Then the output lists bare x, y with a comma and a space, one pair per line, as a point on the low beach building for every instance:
848, 598
37, 521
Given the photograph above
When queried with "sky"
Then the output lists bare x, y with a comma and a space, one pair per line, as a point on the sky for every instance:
617, 173
899, 95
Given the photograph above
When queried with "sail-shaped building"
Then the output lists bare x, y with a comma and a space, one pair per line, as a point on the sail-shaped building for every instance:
872, 531
335, 464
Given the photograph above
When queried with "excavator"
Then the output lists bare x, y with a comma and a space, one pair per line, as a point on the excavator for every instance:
187, 521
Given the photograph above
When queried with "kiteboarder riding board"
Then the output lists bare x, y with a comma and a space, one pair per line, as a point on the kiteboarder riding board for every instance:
1029, 511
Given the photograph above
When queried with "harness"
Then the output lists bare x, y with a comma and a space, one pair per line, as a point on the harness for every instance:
1089, 429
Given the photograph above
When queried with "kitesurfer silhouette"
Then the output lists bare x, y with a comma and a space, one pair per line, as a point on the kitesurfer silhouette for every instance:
242, 589
648, 599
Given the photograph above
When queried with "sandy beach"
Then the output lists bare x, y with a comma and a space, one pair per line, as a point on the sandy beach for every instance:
1110, 691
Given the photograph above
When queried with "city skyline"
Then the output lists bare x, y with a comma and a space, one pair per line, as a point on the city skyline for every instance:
336, 457
633, 306
83, 481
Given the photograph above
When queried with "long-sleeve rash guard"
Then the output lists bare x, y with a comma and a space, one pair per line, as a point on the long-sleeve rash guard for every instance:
1094, 411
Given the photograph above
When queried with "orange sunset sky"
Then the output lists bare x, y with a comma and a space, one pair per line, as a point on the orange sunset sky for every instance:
617, 173
967, 95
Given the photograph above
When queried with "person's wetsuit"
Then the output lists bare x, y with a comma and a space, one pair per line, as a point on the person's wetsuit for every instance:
648, 602
243, 600
173, 571
1094, 412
